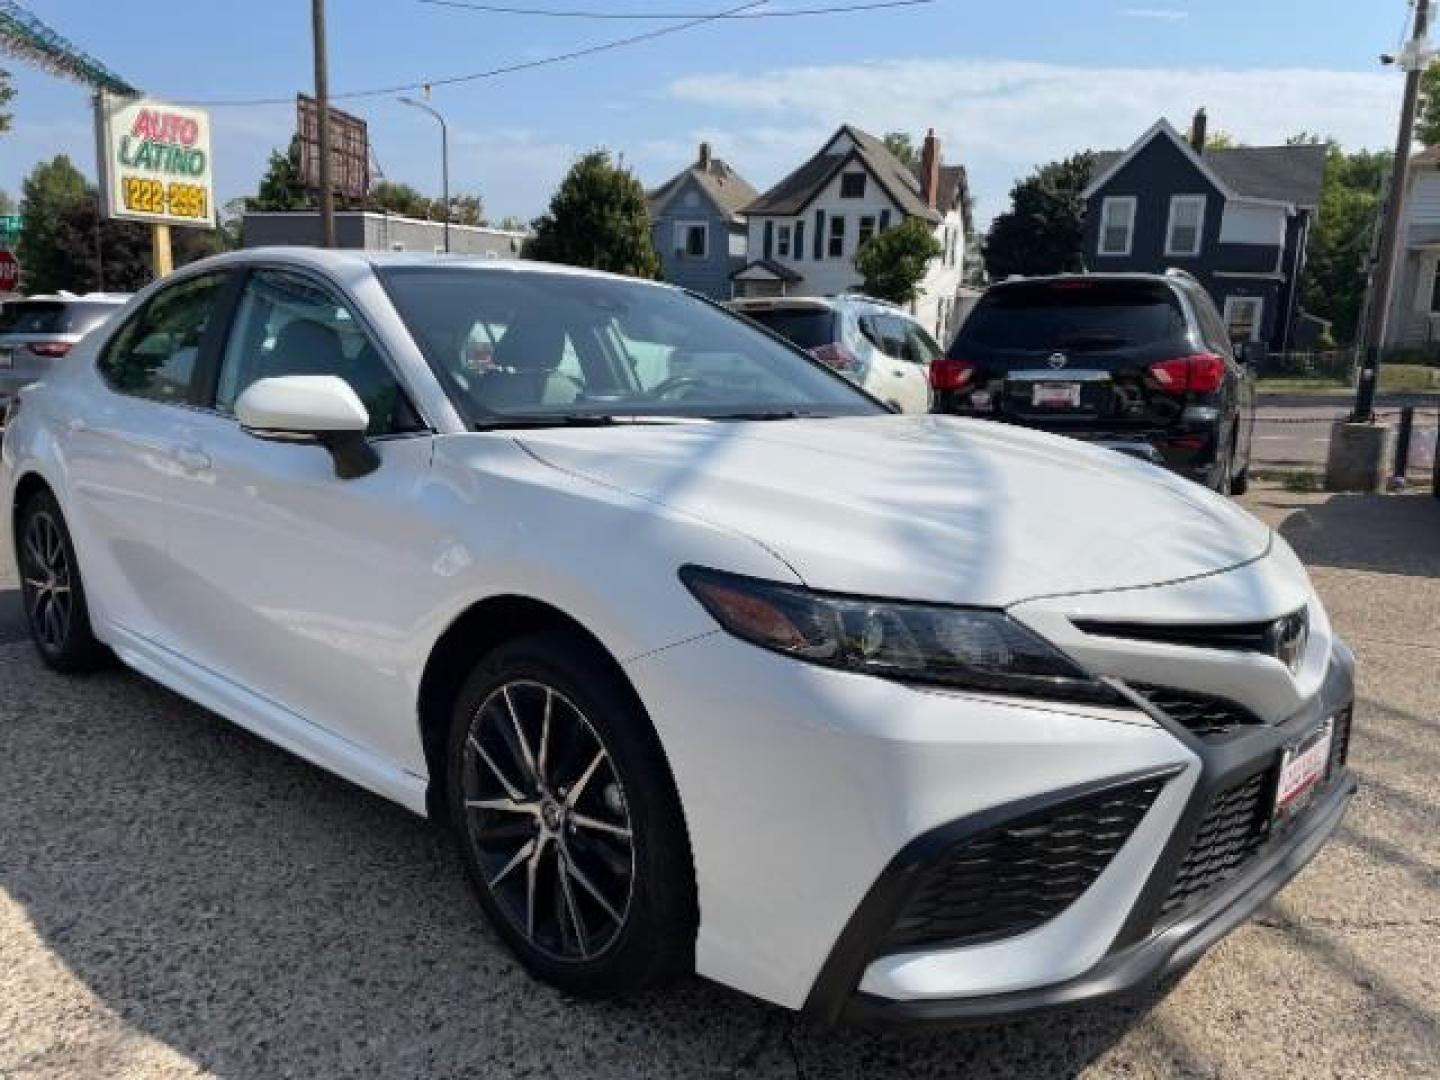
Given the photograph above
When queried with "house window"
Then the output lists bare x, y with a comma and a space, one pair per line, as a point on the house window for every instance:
782, 247
692, 239
837, 236
1117, 224
1187, 220
1242, 317
867, 230
852, 185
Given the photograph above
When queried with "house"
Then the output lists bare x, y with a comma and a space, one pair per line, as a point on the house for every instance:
370, 230
697, 226
804, 232
1414, 317
1238, 219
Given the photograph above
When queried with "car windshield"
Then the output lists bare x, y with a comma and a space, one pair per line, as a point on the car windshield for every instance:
53, 316
807, 327
518, 346
1075, 315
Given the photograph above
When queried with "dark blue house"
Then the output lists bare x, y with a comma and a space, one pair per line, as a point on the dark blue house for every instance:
697, 226
1238, 219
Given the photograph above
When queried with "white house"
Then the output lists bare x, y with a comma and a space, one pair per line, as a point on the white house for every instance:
1414, 317
803, 233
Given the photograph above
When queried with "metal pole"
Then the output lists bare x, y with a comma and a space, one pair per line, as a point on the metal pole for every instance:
322, 120
1383, 280
444, 162
1402, 441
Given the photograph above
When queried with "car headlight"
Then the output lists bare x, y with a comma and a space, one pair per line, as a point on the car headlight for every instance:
971, 648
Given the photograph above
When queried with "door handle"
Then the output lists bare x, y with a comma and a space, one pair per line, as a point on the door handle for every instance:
191, 458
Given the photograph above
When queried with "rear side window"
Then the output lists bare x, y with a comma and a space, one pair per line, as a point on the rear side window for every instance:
53, 316
1074, 315
155, 354
807, 327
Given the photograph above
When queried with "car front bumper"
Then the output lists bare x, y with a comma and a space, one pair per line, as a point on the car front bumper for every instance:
815, 798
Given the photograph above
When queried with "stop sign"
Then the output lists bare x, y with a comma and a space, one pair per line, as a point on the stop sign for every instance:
9, 271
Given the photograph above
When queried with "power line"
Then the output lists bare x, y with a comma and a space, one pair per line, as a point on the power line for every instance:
556, 13
490, 73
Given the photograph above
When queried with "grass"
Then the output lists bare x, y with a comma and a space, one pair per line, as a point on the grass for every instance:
1394, 379
1295, 480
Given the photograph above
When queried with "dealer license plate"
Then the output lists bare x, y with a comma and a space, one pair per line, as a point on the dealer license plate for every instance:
1301, 770
1051, 394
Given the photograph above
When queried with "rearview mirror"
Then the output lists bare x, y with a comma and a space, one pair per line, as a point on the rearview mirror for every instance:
319, 409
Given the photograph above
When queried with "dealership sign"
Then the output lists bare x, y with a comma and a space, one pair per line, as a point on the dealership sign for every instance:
155, 162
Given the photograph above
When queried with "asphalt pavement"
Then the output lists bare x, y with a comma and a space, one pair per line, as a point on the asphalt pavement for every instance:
1293, 430
179, 899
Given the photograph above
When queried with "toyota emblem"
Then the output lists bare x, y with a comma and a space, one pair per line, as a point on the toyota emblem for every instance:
1057, 360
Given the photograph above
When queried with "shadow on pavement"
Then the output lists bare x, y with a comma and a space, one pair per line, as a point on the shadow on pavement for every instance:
1386, 534
262, 918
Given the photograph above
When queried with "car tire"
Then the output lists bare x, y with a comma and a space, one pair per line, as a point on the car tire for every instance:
568, 821
52, 591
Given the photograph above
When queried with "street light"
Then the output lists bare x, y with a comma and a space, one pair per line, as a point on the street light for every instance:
444, 162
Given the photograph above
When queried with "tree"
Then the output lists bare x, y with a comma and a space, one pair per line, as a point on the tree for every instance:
511, 223
7, 93
1221, 140
392, 197
1042, 232
282, 187
1333, 284
597, 218
7, 203
893, 262
1427, 120
902, 146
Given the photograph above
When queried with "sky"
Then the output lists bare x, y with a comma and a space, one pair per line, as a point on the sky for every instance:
1006, 86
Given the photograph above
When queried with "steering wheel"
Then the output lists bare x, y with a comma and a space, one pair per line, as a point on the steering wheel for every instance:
670, 388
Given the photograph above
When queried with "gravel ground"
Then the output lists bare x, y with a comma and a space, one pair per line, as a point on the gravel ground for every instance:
177, 898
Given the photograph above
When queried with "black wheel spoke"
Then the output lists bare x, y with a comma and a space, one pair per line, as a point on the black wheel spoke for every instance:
547, 821
45, 581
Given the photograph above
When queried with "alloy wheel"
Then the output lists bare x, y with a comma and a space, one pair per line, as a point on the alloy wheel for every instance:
45, 571
548, 821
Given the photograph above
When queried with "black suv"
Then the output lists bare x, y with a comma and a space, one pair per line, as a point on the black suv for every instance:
1139, 362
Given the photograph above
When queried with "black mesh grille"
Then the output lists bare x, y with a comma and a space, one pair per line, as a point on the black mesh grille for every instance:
1013, 877
1236, 824
1207, 716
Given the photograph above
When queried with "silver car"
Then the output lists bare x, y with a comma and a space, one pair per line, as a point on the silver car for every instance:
35, 331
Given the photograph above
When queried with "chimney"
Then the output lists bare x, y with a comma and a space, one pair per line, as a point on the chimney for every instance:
705, 156
930, 169
1197, 130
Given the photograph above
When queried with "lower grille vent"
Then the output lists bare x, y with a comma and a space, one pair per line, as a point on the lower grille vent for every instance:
1207, 716
1234, 827
1016, 876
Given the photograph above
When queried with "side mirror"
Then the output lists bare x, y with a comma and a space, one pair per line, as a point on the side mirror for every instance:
321, 409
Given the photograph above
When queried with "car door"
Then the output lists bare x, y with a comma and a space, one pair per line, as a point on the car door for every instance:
909, 381
124, 451
294, 584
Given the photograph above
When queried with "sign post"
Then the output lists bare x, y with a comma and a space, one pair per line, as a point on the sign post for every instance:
155, 167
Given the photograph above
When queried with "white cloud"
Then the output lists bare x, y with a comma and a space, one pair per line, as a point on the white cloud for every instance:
1001, 118
1159, 14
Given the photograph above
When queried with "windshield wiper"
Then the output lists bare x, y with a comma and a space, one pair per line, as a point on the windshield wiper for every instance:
766, 414
545, 420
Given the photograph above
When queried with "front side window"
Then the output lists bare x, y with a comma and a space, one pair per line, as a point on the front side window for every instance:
852, 185
1117, 225
1187, 218
154, 355
569, 348
287, 324
837, 236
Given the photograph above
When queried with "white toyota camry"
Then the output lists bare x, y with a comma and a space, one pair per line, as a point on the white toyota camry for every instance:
710, 662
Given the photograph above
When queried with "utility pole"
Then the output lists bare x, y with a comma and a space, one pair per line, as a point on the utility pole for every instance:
322, 120
1414, 58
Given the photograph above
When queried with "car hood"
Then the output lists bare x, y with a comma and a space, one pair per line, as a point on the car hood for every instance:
930, 508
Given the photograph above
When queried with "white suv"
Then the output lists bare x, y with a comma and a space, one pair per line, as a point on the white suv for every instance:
711, 662
872, 343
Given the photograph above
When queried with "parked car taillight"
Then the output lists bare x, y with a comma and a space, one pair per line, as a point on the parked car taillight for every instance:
1202, 373
53, 350
948, 374
837, 356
